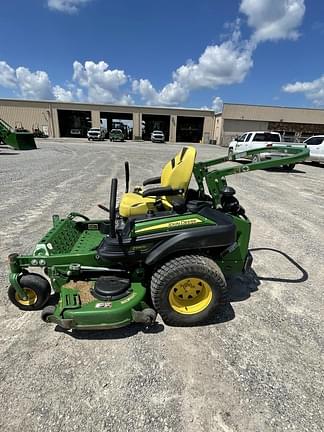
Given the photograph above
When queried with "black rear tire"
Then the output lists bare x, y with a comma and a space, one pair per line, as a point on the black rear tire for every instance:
37, 289
289, 167
181, 275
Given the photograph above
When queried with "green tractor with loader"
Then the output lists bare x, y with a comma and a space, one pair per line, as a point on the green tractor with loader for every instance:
18, 138
167, 248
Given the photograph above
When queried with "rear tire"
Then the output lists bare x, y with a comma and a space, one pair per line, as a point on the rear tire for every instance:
187, 290
38, 291
289, 167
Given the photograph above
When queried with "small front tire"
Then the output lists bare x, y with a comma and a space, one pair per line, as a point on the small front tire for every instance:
47, 312
37, 289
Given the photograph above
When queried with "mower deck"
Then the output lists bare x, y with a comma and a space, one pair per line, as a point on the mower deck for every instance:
75, 311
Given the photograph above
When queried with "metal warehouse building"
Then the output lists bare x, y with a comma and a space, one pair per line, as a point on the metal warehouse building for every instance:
69, 119
62, 119
295, 124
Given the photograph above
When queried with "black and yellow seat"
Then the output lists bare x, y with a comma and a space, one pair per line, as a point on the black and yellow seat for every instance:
173, 182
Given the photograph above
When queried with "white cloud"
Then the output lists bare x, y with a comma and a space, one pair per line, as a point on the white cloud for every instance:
27, 84
229, 62
92, 82
63, 95
273, 19
33, 85
7, 75
103, 85
312, 90
217, 104
67, 6
171, 94
126, 99
224, 64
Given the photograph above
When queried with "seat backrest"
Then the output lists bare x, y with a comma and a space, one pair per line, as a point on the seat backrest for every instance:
178, 171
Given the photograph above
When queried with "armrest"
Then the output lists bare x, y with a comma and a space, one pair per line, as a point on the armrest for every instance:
152, 180
161, 191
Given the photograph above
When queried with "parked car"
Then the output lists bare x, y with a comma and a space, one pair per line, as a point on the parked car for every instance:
96, 134
116, 135
157, 136
75, 132
315, 144
258, 139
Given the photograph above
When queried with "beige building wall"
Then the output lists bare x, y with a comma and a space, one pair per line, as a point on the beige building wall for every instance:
208, 129
137, 125
95, 119
31, 116
273, 114
218, 129
173, 129
55, 122
44, 114
233, 128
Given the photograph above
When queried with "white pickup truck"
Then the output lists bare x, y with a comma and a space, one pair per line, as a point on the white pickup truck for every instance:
96, 134
258, 139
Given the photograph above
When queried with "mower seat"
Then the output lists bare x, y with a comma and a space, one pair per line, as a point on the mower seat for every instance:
174, 182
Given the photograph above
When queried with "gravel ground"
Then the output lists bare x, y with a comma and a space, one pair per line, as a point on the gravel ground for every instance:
257, 367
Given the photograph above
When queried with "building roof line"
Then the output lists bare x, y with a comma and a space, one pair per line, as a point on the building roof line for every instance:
273, 106
106, 105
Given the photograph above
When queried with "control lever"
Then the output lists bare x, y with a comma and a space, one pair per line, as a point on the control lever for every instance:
127, 176
104, 208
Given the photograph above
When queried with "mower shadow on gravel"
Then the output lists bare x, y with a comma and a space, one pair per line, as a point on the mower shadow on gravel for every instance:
283, 169
119, 333
241, 287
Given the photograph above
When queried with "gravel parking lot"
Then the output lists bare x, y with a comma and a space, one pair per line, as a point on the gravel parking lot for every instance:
258, 367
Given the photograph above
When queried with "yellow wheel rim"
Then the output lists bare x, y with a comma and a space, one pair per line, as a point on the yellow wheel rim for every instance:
31, 297
190, 296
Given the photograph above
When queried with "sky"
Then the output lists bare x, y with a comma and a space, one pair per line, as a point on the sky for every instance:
164, 52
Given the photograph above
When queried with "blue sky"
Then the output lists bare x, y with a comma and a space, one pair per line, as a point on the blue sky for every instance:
164, 52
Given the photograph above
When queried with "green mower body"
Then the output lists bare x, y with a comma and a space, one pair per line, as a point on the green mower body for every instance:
111, 272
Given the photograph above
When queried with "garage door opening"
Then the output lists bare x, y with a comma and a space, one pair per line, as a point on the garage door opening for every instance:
151, 123
74, 123
190, 129
123, 121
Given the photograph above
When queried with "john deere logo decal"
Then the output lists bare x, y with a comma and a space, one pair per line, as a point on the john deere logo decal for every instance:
170, 225
184, 222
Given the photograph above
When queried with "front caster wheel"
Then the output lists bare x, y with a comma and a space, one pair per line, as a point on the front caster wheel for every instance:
187, 290
46, 312
37, 289
149, 316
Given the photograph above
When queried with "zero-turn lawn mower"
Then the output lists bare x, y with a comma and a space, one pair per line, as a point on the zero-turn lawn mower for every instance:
166, 249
